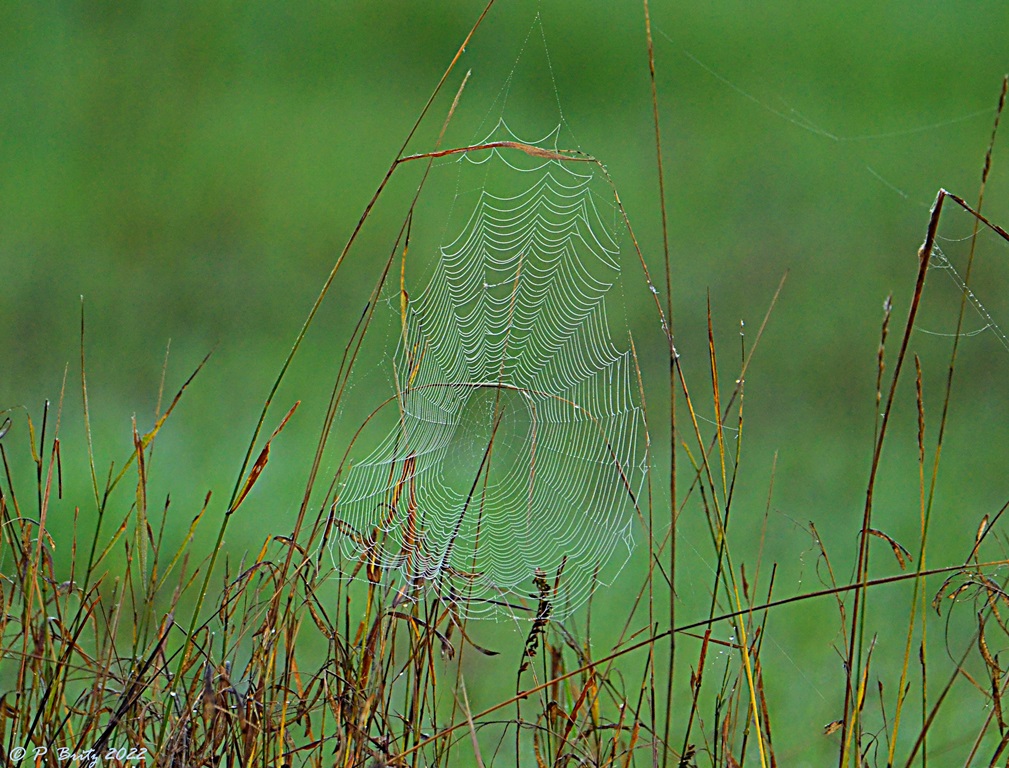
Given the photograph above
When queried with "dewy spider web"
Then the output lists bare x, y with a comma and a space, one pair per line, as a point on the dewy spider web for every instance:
519, 444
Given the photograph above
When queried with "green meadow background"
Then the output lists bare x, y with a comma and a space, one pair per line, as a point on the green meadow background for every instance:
193, 170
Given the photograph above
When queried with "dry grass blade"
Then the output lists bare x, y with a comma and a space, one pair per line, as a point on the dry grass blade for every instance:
260, 463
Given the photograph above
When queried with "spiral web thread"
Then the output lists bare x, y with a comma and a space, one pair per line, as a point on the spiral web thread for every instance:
518, 452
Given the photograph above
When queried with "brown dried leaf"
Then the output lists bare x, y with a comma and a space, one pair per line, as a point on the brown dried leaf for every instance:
941, 593
980, 531
260, 465
832, 727
982, 644
899, 551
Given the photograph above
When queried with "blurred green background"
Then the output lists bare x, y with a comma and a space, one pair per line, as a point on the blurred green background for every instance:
192, 170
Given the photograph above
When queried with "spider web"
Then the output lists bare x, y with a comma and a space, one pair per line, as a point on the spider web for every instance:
518, 448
